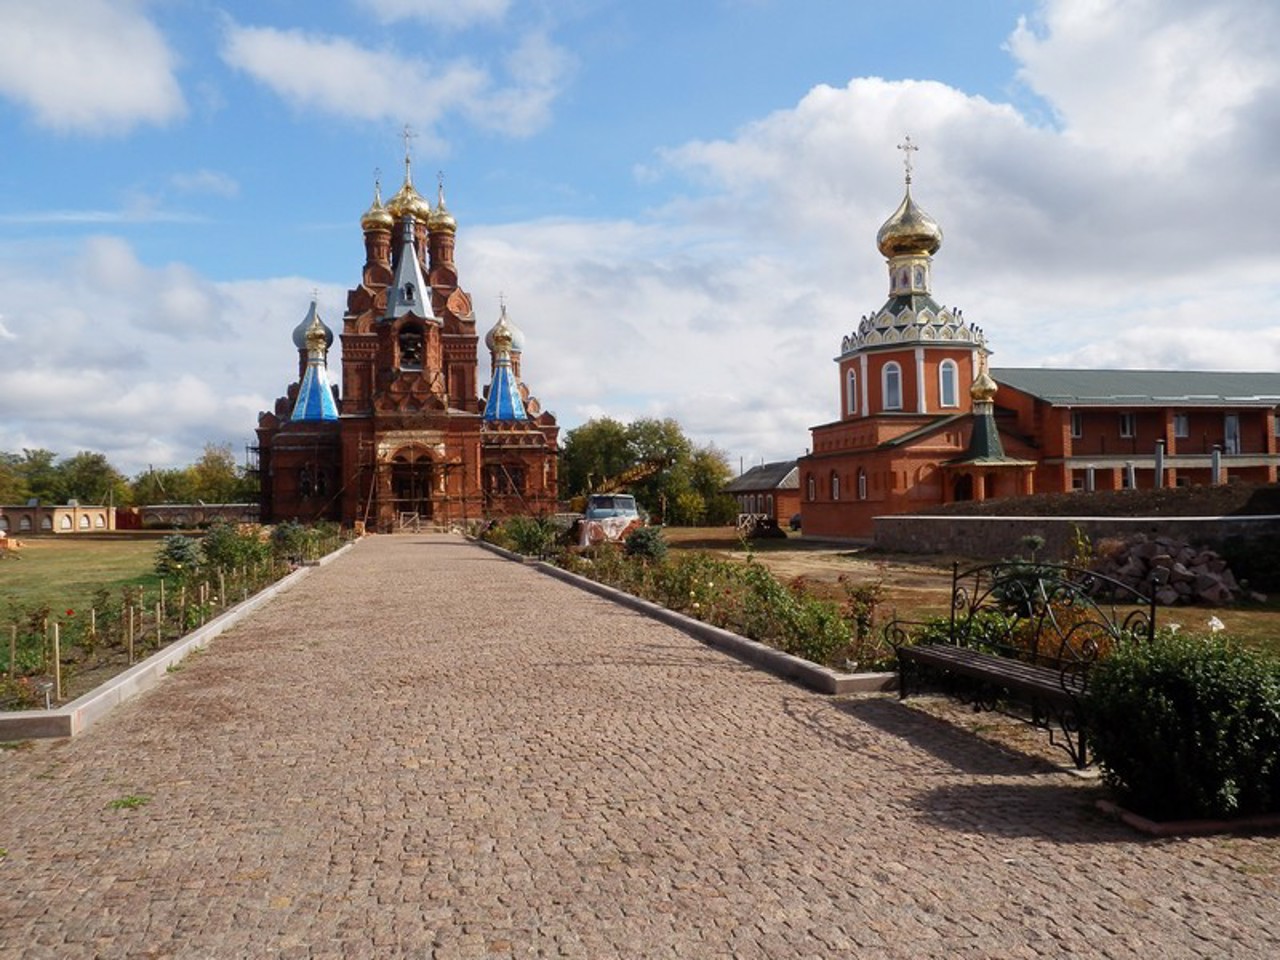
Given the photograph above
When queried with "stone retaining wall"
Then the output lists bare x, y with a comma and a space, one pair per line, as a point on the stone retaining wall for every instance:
997, 537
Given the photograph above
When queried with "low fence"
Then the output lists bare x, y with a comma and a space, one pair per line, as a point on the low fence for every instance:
995, 537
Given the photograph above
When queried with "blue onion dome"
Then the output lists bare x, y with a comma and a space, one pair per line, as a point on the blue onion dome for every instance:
509, 329
300, 331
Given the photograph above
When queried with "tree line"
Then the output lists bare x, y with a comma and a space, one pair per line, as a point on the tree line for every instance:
679, 482
89, 478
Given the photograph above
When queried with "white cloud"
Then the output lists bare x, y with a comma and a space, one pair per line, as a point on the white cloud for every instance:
449, 13
335, 75
145, 364
205, 182
101, 70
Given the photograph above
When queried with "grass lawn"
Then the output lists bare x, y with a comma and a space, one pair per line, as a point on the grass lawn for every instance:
64, 572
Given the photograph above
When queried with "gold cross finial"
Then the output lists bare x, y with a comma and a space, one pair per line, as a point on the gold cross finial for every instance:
408, 135
907, 148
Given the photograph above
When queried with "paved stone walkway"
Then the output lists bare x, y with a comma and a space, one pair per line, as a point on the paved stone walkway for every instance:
423, 750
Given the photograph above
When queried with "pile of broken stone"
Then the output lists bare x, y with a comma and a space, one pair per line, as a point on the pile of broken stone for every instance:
1175, 570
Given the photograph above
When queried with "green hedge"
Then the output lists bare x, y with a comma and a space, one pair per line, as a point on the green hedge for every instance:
1188, 727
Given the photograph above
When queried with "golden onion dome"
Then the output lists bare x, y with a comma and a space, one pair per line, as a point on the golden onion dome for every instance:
441, 219
984, 387
409, 202
909, 232
377, 217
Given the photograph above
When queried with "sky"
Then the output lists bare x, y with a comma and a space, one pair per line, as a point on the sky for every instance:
677, 199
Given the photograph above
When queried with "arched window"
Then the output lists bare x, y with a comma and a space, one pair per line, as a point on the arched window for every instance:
46, 523
835, 485
769, 504
811, 488
84, 521
851, 391
4, 523
100, 521
862, 484
411, 347
24, 523
948, 379
891, 386
64, 522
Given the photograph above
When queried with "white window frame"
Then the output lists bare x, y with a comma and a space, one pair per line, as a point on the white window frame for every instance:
892, 399
1181, 425
949, 381
851, 391
1077, 424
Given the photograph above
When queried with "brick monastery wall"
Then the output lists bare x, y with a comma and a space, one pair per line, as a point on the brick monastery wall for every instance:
997, 537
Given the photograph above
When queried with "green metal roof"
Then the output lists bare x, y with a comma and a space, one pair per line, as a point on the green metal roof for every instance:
1143, 388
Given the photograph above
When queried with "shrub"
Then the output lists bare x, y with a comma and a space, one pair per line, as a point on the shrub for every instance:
289, 541
1253, 560
531, 536
647, 543
179, 557
228, 546
1188, 727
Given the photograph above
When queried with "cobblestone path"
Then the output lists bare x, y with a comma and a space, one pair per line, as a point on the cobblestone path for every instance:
423, 750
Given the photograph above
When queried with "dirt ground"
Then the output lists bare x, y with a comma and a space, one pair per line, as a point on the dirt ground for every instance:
918, 586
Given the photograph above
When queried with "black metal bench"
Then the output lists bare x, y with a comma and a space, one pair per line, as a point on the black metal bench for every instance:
1021, 638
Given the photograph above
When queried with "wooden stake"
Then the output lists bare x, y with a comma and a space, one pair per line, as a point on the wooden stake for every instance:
222, 588
13, 651
57, 662
131, 634
162, 597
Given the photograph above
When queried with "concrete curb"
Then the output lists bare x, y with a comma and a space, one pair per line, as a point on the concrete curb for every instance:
807, 674
80, 714
1263, 823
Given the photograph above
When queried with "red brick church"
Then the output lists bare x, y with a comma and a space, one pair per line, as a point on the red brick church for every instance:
924, 422
409, 440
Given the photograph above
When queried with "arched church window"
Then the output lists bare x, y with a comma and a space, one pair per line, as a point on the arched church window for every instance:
100, 521
768, 501
411, 347
84, 521
919, 277
321, 483
811, 488
64, 523
304, 482
24, 523
891, 386
835, 486
862, 484
851, 391
408, 293
948, 378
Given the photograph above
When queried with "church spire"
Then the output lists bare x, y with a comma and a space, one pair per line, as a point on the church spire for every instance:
315, 396
504, 402
408, 292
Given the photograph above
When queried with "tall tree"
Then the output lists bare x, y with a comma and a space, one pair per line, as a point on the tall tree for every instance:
13, 486
168, 485
215, 478
593, 453
41, 476
90, 478
681, 482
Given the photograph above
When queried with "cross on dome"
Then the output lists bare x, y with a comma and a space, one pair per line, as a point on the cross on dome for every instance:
907, 148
